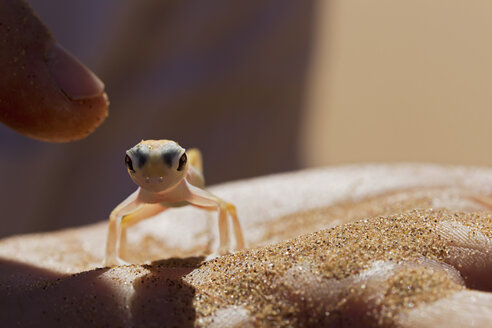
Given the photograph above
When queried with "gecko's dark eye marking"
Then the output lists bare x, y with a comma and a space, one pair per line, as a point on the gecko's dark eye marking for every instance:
168, 157
129, 164
182, 162
141, 157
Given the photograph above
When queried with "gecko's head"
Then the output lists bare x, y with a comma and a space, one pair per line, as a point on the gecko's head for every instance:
156, 165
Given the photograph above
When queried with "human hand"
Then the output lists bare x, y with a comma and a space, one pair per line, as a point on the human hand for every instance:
383, 263
45, 92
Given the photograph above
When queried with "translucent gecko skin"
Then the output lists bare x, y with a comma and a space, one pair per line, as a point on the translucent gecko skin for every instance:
167, 176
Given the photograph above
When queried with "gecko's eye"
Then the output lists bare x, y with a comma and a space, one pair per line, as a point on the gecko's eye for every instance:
182, 162
129, 164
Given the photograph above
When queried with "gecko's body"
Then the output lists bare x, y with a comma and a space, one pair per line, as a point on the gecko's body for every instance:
167, 176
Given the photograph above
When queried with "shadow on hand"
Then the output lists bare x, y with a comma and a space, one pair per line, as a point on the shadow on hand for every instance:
32, 296
161, 297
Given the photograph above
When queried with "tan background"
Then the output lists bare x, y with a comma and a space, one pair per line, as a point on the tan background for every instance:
260, 87
401, 81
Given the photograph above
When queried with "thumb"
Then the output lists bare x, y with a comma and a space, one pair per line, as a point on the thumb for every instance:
45, 92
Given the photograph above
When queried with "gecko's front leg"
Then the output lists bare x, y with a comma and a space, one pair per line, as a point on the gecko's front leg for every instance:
236, 225
114, 229
204, 199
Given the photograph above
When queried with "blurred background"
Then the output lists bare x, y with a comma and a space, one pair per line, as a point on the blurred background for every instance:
260, 87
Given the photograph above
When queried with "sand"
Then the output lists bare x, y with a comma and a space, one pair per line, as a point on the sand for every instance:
367, 255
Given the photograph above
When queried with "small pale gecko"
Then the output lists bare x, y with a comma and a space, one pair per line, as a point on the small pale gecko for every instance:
167, 176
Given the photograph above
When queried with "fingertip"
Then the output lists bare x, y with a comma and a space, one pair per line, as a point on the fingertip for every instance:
83, 118
72, 77
73, 120
45, 92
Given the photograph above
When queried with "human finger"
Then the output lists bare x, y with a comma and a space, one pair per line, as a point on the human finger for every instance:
45, 92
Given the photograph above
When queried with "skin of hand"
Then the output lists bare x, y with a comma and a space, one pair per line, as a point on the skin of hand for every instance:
167, 176
45, 92
412, 268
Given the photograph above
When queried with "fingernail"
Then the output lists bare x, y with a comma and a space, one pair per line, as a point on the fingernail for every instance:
72, 77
